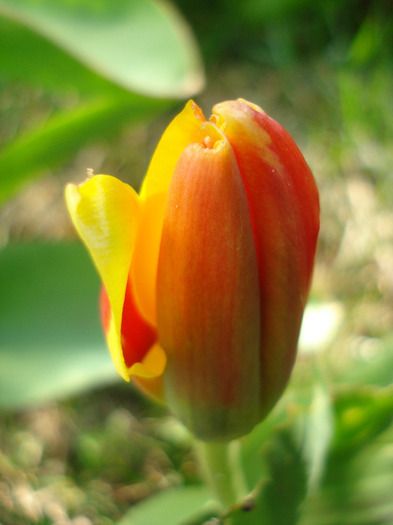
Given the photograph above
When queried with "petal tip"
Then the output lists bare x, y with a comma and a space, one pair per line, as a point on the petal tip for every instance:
152, 366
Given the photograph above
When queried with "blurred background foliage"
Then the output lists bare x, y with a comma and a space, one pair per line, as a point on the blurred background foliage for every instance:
92, 84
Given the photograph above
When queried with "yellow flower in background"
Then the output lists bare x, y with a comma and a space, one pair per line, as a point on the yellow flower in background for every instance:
206, 272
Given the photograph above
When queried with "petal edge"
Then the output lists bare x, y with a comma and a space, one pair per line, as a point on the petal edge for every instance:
105, 213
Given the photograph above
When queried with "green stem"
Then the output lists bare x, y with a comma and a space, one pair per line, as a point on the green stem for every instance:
223, 470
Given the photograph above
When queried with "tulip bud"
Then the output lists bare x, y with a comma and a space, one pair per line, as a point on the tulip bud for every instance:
206, 272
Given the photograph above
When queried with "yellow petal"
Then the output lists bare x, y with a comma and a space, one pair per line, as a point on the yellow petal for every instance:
183, 130
145, 259
148, 374
105, 213
153, 364
251, 104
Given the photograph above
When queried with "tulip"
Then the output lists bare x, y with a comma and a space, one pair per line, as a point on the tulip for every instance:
207, 270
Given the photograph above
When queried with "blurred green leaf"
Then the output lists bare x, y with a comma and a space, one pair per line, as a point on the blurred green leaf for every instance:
373, 40
317, 433
285, 477
253, 444
377, 370
141, 45
275, 464
361, 413
365, 103
177, 506
325, 455
358, 482
305, 412
355, 492
56, 142
31, 59
51, 344
102, 50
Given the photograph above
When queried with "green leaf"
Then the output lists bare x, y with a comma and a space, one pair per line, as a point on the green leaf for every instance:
51, 343
31, 59
361, 415
365, 104
287, 455
317, 434
357, 485
288, 475
101, 50
322, 456
142, 45
176, 506
254, 443
56, 142
356, 491
283, 478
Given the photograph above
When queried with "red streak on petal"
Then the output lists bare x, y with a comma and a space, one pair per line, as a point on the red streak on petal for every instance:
207, 296
284, 208
137, 335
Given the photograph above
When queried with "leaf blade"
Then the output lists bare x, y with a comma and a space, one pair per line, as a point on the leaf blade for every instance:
51, 345
143, 46
64, 134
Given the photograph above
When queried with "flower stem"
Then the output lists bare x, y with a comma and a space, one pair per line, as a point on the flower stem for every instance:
221, 463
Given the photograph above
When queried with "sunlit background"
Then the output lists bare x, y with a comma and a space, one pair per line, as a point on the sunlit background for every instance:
92, 85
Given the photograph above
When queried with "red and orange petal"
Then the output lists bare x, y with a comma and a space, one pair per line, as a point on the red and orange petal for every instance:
207, 294
284, 208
